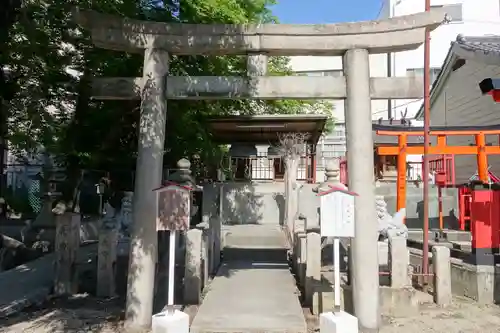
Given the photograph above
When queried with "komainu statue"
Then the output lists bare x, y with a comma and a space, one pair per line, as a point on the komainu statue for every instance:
389, 225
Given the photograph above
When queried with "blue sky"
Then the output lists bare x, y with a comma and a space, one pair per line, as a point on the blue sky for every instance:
326, 11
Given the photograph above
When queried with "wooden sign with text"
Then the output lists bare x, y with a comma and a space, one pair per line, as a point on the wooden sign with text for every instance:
337, 212
173, 207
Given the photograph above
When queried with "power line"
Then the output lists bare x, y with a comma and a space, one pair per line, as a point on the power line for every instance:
398, 106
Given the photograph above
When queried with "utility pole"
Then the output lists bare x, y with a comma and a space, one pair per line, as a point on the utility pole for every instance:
425, 166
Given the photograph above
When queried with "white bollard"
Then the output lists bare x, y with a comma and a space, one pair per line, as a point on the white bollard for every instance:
177, 322
338, 322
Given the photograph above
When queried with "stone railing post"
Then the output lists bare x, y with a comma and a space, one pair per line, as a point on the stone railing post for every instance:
67, 242
106, 258
192, 274
205, 252
216, 227
442, 275
301, 256
313, 264
398, 261
299, 228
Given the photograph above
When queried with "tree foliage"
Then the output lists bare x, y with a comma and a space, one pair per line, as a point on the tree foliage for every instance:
53, 61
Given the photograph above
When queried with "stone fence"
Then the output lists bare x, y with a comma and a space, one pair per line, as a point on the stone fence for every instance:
397, 295
199, 256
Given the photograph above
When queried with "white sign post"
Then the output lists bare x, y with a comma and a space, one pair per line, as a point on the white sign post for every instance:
337, 220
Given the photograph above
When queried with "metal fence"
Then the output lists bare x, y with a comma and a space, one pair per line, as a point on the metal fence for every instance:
265, 168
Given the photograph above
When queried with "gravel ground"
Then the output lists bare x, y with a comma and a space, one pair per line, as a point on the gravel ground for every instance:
463, 316
80, 313
83, 313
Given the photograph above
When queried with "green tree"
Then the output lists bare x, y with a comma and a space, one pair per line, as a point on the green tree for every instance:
53, 61
53, 108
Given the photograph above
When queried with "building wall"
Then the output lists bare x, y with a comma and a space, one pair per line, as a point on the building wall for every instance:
461, 103
478, 18
333, 145
311, 64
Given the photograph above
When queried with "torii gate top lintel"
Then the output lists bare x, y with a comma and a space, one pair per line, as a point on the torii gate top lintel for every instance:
381, 36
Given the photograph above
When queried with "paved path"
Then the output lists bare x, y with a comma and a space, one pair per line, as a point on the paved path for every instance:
254, 290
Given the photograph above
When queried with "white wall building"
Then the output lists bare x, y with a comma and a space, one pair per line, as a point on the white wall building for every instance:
468, 17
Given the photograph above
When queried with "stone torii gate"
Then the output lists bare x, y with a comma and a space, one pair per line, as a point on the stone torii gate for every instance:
353, 41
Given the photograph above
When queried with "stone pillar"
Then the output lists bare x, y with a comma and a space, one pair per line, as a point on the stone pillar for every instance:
205, 252
301, 256
143, 245
192, 274
256, 64
313, 265
291, 187
442, 275
398, 261
67, 243
106, 260
215, 226
358, 118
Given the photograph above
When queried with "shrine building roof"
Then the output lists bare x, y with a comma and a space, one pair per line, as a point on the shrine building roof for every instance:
265, 129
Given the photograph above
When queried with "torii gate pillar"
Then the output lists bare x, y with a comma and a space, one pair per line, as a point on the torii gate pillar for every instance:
149, 168
358, 118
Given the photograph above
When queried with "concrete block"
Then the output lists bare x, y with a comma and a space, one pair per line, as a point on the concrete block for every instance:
383, 253
394, 302
193, 269
477, 282
313, 265
339, 322
442, 275
457, 236
398, 261
324, 299
106, 261
177, 322
400, 302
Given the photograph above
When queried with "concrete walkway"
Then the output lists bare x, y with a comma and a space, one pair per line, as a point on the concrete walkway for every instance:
254, 290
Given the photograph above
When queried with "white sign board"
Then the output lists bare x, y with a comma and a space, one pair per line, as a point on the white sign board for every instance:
337, 214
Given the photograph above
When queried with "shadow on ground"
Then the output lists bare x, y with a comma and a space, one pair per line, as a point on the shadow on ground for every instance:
78, 313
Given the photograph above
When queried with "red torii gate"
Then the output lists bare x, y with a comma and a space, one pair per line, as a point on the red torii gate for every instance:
480, 149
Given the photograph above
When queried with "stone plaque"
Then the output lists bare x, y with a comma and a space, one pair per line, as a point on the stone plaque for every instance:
173, 208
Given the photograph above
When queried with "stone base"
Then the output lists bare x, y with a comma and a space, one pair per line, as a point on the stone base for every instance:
479, 282
395, 302
324, 298
177, 322
340, 322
